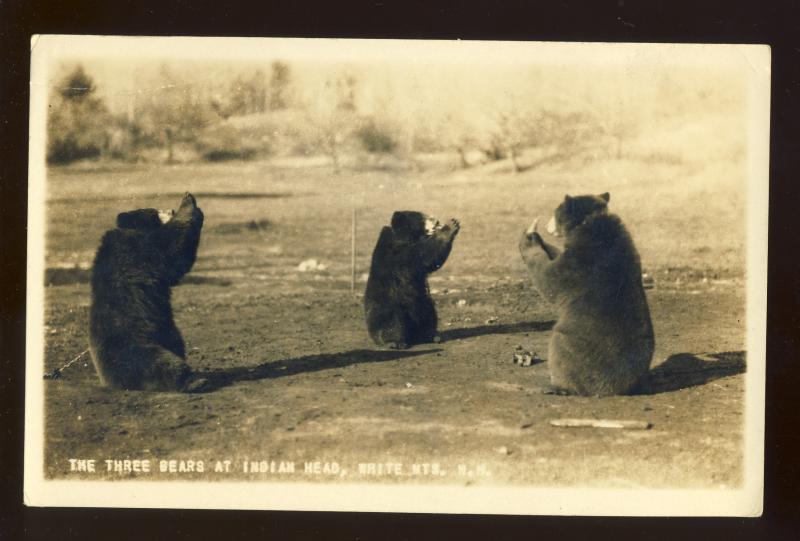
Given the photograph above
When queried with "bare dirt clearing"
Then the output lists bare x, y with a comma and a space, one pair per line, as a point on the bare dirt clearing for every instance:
296, 378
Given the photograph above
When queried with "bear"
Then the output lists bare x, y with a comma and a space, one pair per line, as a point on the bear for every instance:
399, 309
603, 340
134, 342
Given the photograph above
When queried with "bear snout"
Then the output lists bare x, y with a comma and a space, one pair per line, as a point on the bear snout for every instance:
166, 215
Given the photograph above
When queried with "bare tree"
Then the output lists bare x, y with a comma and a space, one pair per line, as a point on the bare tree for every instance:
514, 130
334, 117
453, 131
279, 85
174, 112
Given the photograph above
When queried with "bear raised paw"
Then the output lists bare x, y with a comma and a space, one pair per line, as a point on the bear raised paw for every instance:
399, 308
134, 342
603, 341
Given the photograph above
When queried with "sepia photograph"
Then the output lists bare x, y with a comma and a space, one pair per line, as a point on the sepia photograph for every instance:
409, 276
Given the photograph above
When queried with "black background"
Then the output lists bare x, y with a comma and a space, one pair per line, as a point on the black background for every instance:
773, 23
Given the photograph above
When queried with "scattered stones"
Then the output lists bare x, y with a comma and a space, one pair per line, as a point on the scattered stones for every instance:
526, 358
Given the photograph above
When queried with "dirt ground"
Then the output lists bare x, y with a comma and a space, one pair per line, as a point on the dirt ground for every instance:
297, 381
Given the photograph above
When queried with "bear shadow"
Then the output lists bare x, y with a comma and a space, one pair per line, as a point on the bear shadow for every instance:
199, 279
684, 370
508, 328
217, 379
60, 276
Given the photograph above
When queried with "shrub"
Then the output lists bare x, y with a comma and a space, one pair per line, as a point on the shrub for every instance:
225, 142
376, 138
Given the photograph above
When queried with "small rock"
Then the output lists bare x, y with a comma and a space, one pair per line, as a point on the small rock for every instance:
311, 265
493, 319
408, 385
503, 450
461, 303
526, 358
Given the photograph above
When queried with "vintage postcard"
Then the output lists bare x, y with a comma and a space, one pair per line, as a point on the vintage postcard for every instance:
412, 276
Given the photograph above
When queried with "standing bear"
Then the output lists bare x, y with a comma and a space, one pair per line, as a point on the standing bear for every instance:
603, 341
134, 341
399, 308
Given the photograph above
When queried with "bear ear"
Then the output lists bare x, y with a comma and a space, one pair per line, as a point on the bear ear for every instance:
605, 196
568, 203
408, 220
399, 219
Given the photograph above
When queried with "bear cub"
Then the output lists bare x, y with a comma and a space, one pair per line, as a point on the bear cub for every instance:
134, 342
603, 340
399, 309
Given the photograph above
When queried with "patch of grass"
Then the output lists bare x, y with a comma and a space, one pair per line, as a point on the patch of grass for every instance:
680, 214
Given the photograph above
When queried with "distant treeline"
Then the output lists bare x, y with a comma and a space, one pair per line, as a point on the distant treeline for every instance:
256, 115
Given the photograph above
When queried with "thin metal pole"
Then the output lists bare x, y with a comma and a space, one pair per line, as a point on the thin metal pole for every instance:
353, 253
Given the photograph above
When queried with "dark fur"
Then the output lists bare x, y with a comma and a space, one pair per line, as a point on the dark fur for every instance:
399, 309
603, 341
134, 341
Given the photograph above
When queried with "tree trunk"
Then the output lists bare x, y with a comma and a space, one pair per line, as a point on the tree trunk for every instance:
513, 154
170, 145
463, 157
335, 158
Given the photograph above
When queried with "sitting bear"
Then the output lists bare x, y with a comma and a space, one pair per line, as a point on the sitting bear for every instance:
133, 338
398, 305
603, 341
